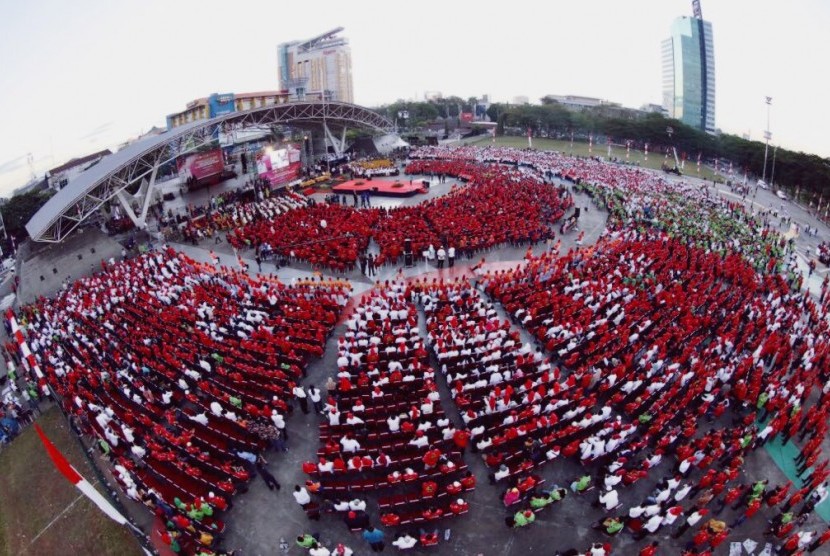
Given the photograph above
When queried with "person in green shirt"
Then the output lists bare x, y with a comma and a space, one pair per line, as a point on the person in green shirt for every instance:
538, 501
306, 541
581, 484
236, 402
523, 518
613, 525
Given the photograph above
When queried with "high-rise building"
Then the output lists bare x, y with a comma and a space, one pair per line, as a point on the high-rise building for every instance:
688, 57
320, 65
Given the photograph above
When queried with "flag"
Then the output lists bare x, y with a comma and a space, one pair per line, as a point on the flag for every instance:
76, 479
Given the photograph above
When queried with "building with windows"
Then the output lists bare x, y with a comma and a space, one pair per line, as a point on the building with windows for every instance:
321, 65
225, 103
688, 64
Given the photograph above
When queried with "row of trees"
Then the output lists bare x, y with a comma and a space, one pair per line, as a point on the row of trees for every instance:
808, 172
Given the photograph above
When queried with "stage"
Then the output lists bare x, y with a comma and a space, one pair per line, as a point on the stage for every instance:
387, 188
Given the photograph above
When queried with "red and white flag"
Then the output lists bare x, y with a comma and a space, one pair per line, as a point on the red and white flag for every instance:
76, 479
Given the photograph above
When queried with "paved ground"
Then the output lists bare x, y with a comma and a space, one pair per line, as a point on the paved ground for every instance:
261, 518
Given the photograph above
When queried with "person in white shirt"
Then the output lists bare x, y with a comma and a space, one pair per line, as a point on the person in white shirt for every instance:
357, 505
653, 523
404, 541
394, 423
349, 444
610, 499
319, 550
301, 496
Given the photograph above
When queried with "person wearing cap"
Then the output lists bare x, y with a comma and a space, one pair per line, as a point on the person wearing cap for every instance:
342, 550
523, 518
459, 506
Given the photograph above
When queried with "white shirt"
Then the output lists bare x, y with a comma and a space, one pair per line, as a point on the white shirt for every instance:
405, 542
301, 496
349, 444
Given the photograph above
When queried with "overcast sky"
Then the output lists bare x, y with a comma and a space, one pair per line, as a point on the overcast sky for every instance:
76, 77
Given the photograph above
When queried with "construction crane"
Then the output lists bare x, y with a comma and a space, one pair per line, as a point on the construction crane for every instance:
696, 11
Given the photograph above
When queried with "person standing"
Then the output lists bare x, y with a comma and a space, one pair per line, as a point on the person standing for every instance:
302, 398
442, 256
375, 538
363, 262
265, 474
316, 398
451, 256
370, 264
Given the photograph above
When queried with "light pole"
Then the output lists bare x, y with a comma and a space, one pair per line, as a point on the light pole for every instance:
767, 137
772, 174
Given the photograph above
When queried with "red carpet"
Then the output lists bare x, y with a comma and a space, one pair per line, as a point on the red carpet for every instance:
382, 187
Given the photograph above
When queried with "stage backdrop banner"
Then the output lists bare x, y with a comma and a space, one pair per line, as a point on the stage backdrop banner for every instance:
279, 166
202, 165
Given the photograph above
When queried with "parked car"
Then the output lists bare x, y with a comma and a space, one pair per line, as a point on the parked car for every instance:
781, 195
762, 184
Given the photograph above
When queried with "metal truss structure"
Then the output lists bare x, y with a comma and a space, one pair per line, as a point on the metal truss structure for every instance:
129, 175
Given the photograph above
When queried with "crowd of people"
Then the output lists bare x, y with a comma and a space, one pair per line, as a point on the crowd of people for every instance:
664, 355
182, 374
218, 217
383, 429
690, 355
497, 206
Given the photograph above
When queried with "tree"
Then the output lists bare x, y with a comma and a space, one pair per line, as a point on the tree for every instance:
20, 209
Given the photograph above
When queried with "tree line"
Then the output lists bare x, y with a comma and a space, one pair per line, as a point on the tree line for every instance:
809, 173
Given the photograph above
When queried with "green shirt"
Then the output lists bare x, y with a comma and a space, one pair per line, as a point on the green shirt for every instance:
307, 541
520, 519
539, 502
613, 526
583, 482
236, 402
762, 400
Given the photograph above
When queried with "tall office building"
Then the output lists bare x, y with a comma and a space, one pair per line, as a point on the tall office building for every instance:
689, 71
322, 65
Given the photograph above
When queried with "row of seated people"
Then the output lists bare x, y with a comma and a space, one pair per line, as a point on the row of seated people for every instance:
632, 195
229, 216
406, 440
664, 334
498, 206
496, 381
179, 370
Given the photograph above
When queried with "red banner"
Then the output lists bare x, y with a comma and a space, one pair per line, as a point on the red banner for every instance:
202, 165
467, 117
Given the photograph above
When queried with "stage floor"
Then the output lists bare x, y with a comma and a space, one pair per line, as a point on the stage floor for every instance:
382, 187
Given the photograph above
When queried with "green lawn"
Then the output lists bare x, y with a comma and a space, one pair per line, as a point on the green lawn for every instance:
581, 149
33, 493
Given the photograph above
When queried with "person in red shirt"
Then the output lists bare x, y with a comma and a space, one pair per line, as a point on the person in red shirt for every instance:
650, 549
429, 488
431, 458
461, 438
468, 481
459, 506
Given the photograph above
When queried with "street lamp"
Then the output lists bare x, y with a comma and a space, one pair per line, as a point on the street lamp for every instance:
772, 174
767, 137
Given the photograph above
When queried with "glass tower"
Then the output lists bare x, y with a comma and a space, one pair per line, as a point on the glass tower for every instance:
688, 63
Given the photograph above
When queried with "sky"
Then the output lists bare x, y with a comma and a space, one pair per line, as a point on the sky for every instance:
77, 77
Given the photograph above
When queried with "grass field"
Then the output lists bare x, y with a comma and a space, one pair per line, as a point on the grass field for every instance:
41, 512
581, 149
